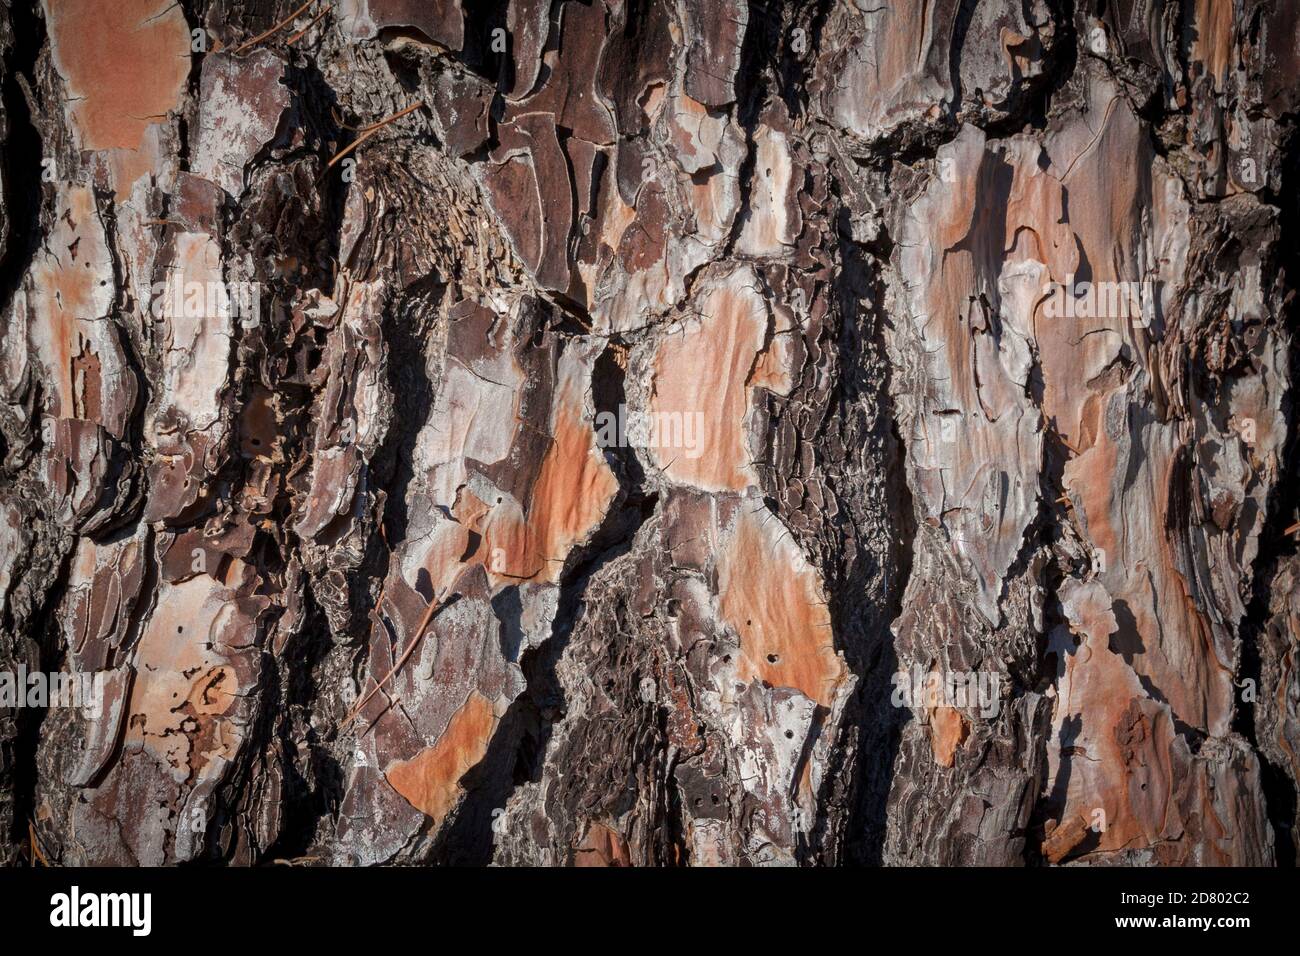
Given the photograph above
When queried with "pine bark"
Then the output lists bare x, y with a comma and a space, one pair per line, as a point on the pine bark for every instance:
965, 326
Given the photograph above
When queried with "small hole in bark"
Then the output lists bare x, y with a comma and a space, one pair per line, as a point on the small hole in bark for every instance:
714, 798
773, 658
789, 735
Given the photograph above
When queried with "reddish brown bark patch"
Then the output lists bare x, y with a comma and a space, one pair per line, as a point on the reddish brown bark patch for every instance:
774, 601
430, 780
705, 372
125, 66
948, 731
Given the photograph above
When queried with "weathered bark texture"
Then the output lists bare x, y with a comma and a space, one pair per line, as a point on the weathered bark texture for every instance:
966, 326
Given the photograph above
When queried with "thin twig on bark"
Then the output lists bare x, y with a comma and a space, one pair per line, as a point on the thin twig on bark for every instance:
36, 846
303, 32
275, 29
371, 130
434, 607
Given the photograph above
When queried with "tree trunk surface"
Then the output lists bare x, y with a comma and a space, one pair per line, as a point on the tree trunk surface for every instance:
677, 432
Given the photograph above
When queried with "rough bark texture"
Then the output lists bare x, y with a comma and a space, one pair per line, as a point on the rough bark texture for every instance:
371, 578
